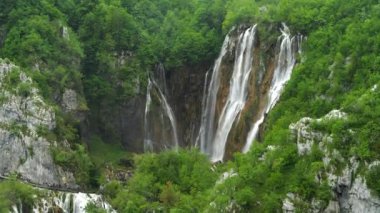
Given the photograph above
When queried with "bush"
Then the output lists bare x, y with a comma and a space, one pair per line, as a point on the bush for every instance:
165, 181
13, 192
373, 177
24, 89
79, 163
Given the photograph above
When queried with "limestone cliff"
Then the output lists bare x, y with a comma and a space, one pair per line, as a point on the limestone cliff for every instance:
348, 187
23, 114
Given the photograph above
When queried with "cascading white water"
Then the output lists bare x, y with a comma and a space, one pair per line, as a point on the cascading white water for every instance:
283, 70
148, 143
204, 99
67, 202
167, 111
206, 132
238, 92
161, 78
236, 98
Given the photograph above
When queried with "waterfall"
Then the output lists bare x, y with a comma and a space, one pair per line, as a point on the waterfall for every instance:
238, 92
158, 91
67, 202
148, 143
65, 33
201, 130
208, 110
236, 98
283, 70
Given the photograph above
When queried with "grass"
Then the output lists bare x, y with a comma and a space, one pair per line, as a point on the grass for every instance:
106, 154
107, 157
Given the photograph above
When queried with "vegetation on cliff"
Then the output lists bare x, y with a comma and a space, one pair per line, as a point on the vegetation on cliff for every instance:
14, 193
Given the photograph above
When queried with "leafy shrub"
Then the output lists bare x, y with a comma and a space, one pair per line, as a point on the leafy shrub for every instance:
13, 192
165, 181
373, 177
78, 162
24, 90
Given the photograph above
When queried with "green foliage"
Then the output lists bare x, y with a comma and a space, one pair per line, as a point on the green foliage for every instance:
373, 177
103, 153
169, 195
17, 129
13, 192
92, 208
240, 11
169, 180
77, 161
108, 156
24, 89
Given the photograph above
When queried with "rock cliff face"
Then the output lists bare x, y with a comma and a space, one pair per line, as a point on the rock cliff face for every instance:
185, 88
123, 123
348, 188
23, 113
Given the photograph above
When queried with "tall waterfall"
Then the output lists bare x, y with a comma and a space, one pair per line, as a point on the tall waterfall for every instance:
236, 99
283, 70
255, 86
156, 129
208, 112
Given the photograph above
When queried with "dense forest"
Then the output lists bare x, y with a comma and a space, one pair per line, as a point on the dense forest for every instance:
105, 51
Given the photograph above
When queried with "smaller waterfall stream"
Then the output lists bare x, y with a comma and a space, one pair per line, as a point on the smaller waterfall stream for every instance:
157, 91
283, 70
148, 143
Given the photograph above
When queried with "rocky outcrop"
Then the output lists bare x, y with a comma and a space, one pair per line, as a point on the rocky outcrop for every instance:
23, 116
349, 189
306, 137
70, 100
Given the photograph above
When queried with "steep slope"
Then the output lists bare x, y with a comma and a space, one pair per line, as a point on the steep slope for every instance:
349, 190
24, 115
